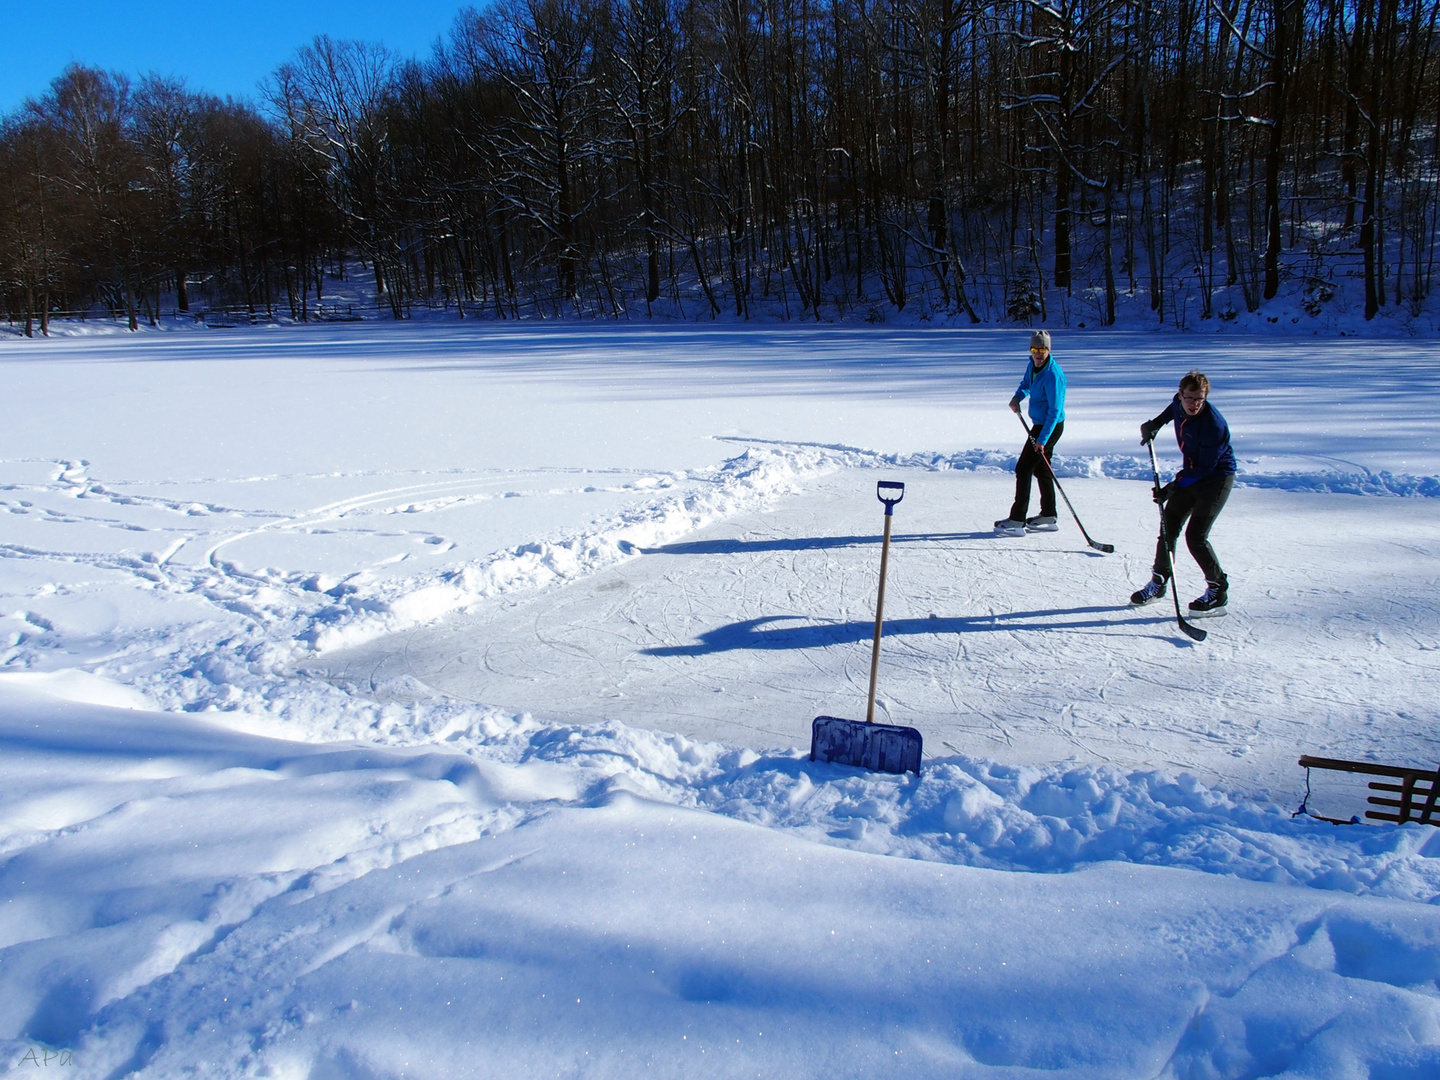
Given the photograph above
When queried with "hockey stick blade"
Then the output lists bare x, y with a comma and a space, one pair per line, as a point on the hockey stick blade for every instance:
1194, 632
1108, 549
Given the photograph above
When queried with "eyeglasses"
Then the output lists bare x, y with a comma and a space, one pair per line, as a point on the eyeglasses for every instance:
1038, 350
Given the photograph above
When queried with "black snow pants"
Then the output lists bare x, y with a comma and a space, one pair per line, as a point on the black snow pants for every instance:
1201, 502
1028, 465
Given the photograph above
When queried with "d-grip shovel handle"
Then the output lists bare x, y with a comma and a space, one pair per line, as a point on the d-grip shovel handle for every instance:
888, 492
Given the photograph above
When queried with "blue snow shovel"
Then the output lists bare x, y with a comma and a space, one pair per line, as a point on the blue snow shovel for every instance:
877, 747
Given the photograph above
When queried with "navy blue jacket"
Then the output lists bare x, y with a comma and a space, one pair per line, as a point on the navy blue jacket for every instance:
1204, 441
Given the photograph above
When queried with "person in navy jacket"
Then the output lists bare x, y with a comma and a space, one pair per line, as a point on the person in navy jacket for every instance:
1198, 492
1044, 384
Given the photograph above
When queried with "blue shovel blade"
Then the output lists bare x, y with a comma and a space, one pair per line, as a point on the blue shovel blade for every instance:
878, 747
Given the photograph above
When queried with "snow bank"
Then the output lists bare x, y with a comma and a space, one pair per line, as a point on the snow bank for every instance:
746, 482
1356, 481
527, 898
973, 812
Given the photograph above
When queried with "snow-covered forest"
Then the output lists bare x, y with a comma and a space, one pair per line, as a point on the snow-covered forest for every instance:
1070, 163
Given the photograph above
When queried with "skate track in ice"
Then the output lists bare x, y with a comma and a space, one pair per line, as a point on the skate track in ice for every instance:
1018, 649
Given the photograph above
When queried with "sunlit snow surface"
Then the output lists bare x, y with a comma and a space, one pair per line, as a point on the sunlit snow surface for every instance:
411, 701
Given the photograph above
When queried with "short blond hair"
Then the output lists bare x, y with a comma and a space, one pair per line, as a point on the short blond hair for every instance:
1196, 380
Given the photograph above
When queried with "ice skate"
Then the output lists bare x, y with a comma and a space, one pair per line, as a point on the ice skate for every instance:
1211, 604
1010, 527
1155, 590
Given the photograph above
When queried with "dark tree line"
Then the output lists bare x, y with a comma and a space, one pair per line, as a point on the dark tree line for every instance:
622, 157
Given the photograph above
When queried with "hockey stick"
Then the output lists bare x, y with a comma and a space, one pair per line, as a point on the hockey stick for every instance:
1106, 548
1194, 632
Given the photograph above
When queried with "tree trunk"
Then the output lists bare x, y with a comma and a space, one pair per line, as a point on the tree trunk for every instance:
1279, 89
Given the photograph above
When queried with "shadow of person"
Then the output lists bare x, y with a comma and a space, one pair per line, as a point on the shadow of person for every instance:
803, 543
772, 632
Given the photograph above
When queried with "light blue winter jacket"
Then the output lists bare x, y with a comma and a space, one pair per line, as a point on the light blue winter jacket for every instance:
1046, 390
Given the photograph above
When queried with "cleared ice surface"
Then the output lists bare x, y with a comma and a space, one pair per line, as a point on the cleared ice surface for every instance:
1023, 649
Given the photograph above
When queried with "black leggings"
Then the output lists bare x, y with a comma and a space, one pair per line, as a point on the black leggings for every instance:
1028, 465
1201, 502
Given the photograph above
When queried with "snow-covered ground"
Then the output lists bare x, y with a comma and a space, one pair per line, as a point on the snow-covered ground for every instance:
393, 700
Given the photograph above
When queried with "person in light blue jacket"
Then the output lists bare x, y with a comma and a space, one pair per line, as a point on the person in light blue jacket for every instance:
1044, 384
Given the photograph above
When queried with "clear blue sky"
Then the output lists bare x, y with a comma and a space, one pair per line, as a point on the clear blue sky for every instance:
222, 48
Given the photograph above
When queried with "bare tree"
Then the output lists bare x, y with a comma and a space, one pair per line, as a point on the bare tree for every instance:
333, 98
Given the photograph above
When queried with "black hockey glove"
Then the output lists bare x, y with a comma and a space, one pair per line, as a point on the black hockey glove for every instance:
1162, 496
1148, 431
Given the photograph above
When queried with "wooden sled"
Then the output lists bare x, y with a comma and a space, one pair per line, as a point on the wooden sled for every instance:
1408, 794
